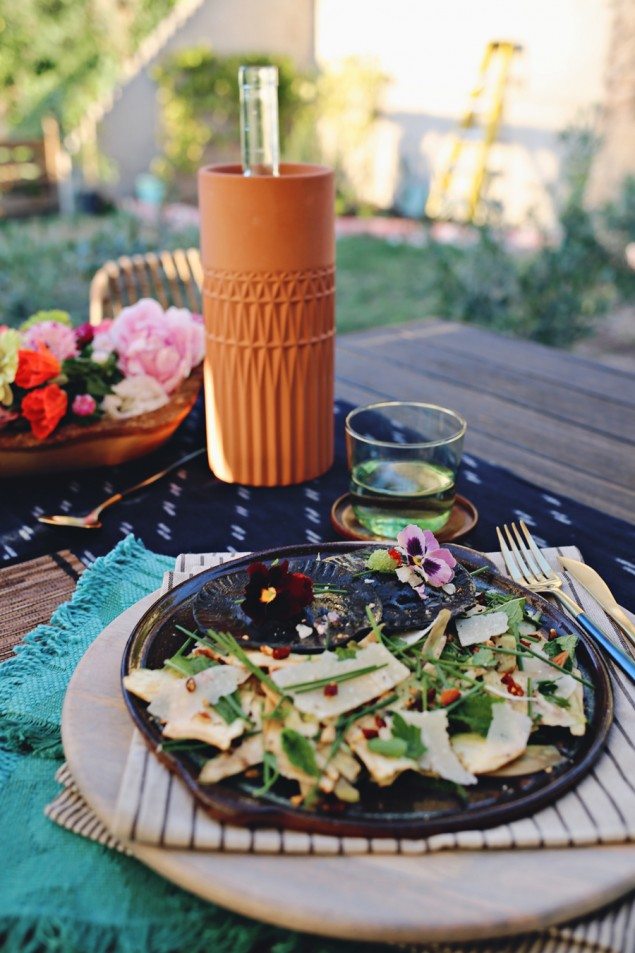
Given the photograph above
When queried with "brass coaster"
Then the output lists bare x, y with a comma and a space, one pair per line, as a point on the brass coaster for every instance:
463, 518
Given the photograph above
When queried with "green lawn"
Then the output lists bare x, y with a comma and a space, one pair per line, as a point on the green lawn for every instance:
554, 295
380, 283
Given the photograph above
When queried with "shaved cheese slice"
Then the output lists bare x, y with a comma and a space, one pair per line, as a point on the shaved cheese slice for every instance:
146, 683
268, 661
479, 628
411, 638
249, 753
184, 697
506, 739
528, 628
535, 758
435, 643
540, 671
439, 756
554, 715
383, 770
351, 693
206, 726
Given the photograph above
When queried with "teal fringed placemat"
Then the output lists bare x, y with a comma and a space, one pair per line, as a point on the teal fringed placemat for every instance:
60, 892
63, 893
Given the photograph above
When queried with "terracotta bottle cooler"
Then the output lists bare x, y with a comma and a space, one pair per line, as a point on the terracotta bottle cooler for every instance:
268, 255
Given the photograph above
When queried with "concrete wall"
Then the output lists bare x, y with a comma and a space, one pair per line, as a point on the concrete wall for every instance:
129, 135
431, 50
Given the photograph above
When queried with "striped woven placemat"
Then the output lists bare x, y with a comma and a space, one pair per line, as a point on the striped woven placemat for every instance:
30, 593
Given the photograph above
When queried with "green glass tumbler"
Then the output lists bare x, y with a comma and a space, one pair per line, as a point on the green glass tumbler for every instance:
403, 458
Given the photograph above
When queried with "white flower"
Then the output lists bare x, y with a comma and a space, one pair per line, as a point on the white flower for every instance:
133, 396
100, 357
410, 575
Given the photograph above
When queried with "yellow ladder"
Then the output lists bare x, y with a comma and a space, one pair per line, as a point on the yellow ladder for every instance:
457, 197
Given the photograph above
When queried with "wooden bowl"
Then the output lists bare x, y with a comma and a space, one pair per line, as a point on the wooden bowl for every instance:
105, 443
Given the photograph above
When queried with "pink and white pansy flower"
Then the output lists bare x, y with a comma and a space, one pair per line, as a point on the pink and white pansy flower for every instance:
422, 561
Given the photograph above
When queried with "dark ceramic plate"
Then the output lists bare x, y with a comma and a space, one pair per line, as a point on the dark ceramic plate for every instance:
413, 806
217, 605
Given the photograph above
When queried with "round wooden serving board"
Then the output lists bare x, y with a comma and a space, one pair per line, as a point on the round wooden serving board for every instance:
447, 896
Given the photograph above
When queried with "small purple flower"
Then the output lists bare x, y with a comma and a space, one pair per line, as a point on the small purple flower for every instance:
425, 560
84, 405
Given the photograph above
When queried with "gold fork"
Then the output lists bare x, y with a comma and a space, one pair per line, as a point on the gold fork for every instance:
528, 567
91, 520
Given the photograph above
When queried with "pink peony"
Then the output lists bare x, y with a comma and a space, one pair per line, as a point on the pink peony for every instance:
163, 345
102, 342
84, 405
58, 338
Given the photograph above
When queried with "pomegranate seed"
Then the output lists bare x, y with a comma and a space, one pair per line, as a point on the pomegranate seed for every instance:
553, 634
380, 722
282, 652
369, 733
449, 695
331, 689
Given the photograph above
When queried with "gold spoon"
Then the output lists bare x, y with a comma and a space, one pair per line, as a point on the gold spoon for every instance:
91, 520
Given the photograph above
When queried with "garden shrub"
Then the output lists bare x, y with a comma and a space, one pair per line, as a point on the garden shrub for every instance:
200, 111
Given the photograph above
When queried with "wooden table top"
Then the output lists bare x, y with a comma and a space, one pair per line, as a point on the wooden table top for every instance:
559, 420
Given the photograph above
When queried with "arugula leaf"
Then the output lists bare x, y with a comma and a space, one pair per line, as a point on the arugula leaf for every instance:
453, 652
189, 666
514, 609
547, 688
474, 712
496, 600
415, 747
484, 658
564, 643
345, 652
388, 747
568, 643
299, 751
229, 708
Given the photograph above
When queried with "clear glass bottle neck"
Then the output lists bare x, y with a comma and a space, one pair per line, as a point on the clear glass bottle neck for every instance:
259, 136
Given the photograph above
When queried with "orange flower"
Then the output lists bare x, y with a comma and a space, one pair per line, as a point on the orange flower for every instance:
44, 408
36, 367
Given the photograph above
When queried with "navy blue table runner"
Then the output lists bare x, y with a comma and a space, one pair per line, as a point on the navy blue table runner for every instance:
192, 511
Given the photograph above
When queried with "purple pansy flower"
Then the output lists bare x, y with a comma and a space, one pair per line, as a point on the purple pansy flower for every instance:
424, 561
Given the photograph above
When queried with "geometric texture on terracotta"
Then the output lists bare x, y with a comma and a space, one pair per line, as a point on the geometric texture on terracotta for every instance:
269, 374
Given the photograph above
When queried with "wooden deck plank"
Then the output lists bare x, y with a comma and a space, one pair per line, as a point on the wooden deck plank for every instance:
597, 492
570, 444
558, 400
547, 364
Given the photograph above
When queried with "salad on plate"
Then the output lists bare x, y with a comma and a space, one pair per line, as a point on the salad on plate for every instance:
376, 663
